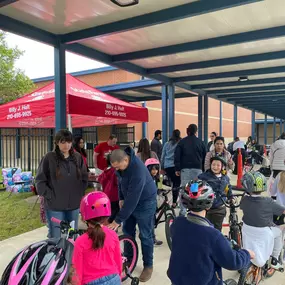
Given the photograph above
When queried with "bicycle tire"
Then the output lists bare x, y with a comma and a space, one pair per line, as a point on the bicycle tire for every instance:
135, 255
243, 274
230, 282
235, 235
168, 222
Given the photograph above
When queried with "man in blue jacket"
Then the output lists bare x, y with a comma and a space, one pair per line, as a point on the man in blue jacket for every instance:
199, 251
137, 194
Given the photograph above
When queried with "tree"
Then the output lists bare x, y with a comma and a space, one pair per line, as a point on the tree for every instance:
13, 81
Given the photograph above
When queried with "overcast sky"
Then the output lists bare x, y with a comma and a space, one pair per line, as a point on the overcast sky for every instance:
37, 60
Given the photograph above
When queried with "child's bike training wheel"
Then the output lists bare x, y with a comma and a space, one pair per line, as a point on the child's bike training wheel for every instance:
129, 250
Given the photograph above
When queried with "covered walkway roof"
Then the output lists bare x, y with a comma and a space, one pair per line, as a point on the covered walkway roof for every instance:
201, 45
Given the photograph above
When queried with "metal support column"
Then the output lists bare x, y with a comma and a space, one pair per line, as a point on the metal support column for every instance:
221, 119
281, 128
253, 124
200, 117
144, 124
265, 129
206, 118
171, 106
235, 121
274, 129
60, 87
164, 114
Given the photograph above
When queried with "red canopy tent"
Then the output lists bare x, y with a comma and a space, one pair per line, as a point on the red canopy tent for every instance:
86, 106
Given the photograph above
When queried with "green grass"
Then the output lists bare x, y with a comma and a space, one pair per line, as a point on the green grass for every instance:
16, 214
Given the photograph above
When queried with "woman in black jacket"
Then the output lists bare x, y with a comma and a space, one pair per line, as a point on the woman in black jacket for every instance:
62, 180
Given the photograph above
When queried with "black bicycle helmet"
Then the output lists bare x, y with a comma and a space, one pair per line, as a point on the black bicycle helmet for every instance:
43, 263
198, 196
219, 158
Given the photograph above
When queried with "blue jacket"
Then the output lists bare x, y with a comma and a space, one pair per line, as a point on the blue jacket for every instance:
135, 186
167, 157
199, 253
218, 185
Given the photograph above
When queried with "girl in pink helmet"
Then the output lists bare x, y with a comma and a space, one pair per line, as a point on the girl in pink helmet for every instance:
97, 256
153, 167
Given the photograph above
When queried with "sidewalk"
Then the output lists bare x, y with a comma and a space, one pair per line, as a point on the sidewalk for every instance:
8, 248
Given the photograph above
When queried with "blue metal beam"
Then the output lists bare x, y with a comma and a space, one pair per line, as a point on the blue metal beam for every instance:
129, 85
251, 95
164, 114
237, 83
219, 62
265, 129
221, 118
206, 118
228, 40
274, 129
281, 128
228, 74
248, 89
28, 31
60, 87
4, 3
154, 18
144, 124
252, 124
149, 92
171, 101
107, 59
200, 117
235, 121
183, 85
257, 99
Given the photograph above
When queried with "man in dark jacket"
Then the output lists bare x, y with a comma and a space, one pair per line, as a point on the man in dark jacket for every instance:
156, 145
137, 194
189, 159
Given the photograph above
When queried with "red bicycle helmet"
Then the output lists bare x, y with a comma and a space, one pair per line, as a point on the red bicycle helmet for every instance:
43, 263
198, 196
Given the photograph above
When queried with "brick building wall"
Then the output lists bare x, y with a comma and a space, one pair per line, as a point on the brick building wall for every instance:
186, 109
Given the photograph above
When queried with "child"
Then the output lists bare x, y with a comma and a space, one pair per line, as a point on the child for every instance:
109, 181
199, 251
152, 165
97, 256
220, 183
258, 211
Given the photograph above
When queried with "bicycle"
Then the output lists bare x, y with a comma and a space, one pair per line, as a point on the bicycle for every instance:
129, 263
169, 214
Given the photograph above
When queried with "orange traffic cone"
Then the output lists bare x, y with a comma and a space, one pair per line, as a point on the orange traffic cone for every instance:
239, 169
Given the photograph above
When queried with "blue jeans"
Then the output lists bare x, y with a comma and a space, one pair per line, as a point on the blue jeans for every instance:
113, 279
186, 176
143, 216
69, 216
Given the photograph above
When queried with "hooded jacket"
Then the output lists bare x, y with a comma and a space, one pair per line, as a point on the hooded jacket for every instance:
109, 181
277, 155
135, 186
65, 192
219, 186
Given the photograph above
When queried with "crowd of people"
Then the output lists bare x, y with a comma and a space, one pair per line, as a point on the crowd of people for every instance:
130, 182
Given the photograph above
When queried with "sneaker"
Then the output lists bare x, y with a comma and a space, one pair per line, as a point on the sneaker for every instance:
158, 242
146, 274
274, 263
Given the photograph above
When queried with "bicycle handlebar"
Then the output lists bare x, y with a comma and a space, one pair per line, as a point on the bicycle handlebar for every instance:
55, 220
230, 204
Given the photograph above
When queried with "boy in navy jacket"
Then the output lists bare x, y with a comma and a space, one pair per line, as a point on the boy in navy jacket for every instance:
199, 251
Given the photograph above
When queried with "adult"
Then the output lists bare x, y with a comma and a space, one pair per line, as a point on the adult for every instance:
189, 159
219, 150
277, 156
62, 180
156, 145
102, 150
78, 146
167, 163
210, 144
144, 152
249, 141
230, 147
137, 194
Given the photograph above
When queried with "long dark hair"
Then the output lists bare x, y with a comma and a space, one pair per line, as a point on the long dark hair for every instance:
64, 136
175, 138
96, 233
77, 147
144, 149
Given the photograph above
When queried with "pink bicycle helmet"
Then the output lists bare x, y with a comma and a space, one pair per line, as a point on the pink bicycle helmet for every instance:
42, 263
151, 161
94, 205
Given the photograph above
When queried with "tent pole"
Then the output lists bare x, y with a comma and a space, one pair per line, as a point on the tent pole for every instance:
69, 122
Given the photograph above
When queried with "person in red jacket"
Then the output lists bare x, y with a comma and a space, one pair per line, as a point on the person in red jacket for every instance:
109, 181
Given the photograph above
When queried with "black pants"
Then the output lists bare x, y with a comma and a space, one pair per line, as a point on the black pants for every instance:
115, 208
170, 172
216, 216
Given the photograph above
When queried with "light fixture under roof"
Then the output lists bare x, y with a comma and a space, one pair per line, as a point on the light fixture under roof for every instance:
243, 78
125, 3
274, 100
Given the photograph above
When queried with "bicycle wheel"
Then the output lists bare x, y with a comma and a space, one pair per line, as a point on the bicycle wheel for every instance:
129, 250
235, 235
169, 220
250, 275
230, 282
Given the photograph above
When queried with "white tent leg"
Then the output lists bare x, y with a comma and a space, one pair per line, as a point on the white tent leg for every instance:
69, 123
